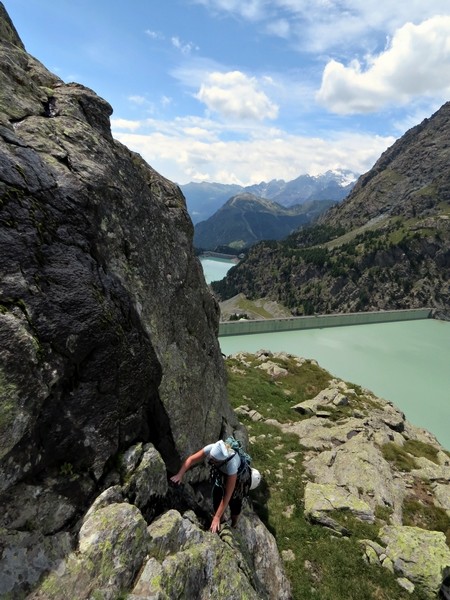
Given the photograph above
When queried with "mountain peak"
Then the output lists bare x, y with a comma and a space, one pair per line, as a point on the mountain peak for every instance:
8, 32
385, 247
204, 199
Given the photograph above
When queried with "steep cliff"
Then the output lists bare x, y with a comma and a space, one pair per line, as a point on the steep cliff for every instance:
108, 330
108, 338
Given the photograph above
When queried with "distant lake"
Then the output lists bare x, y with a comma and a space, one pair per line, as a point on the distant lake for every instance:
215, 269
405, 362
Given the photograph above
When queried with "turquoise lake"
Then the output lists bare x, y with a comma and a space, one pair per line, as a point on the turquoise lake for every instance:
406, 362
215, 269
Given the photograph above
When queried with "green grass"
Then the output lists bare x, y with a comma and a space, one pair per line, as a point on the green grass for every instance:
326, 566
403, 456
247, 305
426, 516
275, 397
399, 457
421, 449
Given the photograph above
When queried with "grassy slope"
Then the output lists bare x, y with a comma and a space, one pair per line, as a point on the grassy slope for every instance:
326, 566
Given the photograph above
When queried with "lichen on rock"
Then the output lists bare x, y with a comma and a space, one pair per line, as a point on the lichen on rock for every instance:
421, 556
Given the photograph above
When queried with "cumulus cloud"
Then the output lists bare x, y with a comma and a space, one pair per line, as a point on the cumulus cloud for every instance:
416, 63
234, 95
264, 153
126, 124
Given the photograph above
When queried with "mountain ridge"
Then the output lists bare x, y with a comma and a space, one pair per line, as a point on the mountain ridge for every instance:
386, 246
205, 198
246, 219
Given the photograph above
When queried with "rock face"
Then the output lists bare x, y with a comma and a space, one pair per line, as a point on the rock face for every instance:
108, 333
209, 566
110, 369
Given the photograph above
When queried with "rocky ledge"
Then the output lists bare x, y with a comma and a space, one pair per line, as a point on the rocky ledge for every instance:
140, 537
361, 457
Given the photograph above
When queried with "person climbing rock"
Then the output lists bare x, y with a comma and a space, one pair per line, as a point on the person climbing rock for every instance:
225, 464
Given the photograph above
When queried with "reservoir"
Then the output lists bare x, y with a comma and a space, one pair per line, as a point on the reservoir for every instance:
406, 362
215, 269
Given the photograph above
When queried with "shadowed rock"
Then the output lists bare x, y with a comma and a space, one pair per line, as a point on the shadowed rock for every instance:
108, 333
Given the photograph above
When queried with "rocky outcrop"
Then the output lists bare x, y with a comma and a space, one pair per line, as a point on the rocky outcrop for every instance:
420, 556
362, 459
322, 498
110, 368
415, 556
113, 542
186, 562
108, 332
171, 557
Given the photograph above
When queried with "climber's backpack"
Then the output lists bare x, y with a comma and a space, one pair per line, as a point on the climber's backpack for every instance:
244, 474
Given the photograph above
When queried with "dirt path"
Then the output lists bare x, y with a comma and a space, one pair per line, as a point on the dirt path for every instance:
254, 309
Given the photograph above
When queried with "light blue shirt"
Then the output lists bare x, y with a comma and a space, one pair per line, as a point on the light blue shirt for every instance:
229, 468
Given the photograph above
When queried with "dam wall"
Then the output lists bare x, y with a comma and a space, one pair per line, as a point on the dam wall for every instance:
320, 321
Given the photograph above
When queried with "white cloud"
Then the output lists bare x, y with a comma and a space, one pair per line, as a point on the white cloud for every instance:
155, 35
280, 28
184, 47
126, 124
264, 154
234, 95
198, 132
139, 100
329, 24
416, 63
252, 10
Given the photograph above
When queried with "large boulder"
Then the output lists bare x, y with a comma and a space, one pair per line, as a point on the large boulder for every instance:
421, 556
112, 545
260, 547
359, 467
108, 332
321, 499
147, 479
186, 562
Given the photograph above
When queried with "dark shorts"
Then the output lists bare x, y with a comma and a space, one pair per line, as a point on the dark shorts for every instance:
235, 503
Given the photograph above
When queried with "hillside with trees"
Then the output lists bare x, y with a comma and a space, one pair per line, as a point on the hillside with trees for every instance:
246, 219
387, 246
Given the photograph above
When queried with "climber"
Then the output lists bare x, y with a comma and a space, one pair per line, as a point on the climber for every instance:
225, 464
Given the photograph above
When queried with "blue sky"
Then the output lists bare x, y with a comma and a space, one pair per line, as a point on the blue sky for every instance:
244, 91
